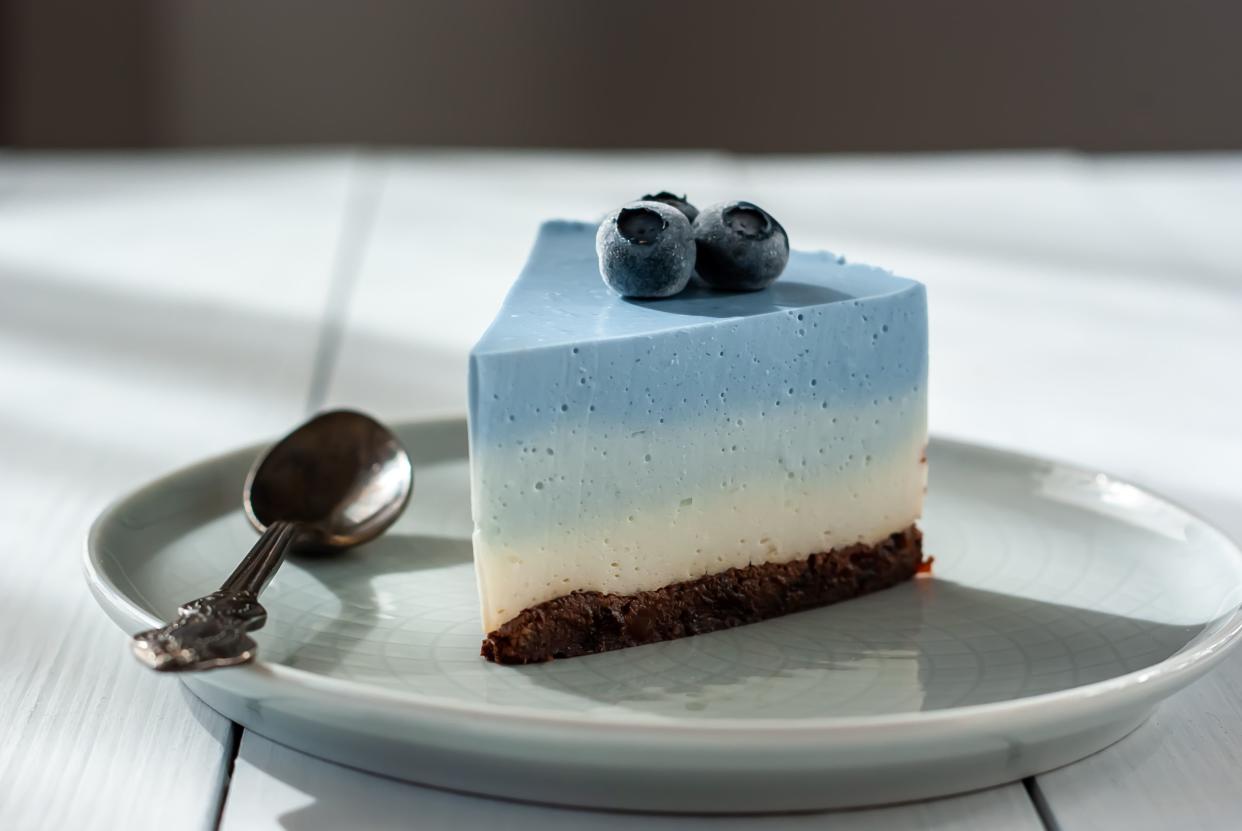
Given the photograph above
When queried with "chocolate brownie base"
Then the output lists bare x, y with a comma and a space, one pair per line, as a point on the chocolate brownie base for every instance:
586, 621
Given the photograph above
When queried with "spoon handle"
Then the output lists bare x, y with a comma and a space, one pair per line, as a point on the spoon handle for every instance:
210, 632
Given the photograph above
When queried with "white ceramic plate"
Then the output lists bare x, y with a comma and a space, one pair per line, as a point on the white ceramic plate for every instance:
1064, 605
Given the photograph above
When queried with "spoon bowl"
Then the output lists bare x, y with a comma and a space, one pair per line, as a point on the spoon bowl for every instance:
342, 475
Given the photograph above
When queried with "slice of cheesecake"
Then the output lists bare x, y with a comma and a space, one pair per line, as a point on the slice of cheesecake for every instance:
647, 470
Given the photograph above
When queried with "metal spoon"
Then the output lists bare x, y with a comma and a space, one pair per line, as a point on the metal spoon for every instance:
337, 481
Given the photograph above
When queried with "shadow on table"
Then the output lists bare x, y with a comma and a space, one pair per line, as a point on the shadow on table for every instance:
210, 347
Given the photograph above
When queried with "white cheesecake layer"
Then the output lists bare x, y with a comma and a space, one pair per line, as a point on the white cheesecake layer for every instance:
796, 504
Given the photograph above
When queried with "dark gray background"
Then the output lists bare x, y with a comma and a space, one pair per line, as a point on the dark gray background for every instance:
748, 76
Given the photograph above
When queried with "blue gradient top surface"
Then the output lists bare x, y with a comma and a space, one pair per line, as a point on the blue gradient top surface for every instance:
560, 298
584, 405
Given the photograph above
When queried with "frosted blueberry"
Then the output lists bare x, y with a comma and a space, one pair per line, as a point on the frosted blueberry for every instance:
673, 201
646, 249
740, 247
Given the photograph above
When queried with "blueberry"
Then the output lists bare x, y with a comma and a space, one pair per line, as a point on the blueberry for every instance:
673, 201
646, 249
740, 246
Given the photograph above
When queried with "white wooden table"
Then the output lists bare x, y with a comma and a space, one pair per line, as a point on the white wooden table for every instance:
156, 309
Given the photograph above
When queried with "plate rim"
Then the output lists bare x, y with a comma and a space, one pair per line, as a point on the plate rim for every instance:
1199, 655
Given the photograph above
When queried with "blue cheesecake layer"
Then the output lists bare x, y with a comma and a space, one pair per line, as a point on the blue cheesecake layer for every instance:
607, 435
830, 333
